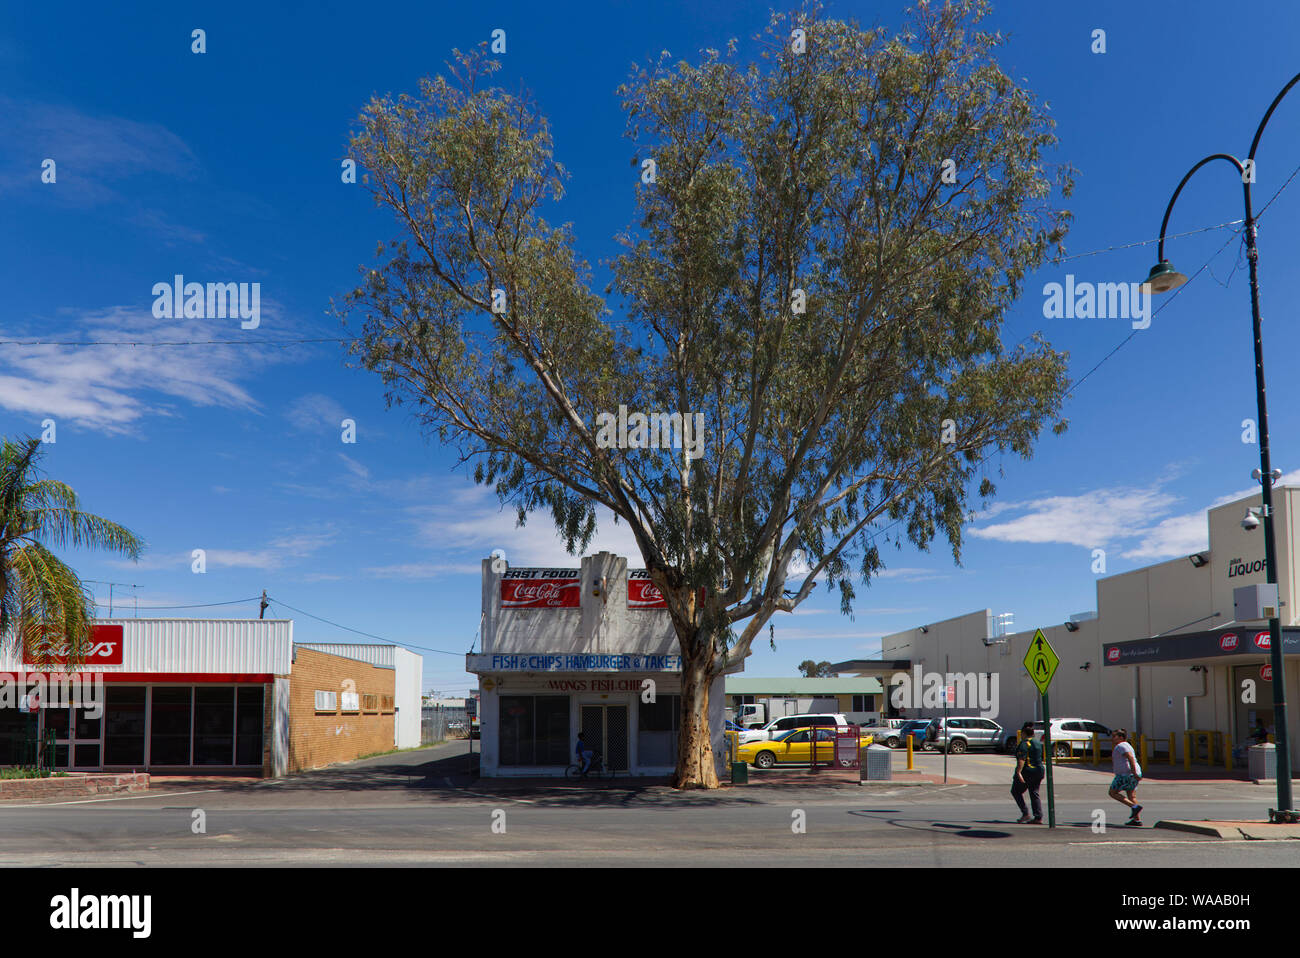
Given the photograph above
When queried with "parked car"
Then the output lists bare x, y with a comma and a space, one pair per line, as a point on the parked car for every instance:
790, 722
1070, 735
915, 730
888, 731
793, 747
959, 733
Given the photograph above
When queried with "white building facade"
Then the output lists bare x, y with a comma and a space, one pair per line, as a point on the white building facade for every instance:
1163, 653
588, 649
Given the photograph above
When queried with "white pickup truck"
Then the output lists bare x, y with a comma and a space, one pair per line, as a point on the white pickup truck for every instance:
787, 722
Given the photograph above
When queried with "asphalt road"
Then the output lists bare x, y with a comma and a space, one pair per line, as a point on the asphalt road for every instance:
422, 809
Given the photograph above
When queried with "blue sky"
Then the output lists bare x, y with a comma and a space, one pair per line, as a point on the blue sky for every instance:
225, 167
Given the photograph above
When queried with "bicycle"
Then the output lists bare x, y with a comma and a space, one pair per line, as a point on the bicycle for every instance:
597, 768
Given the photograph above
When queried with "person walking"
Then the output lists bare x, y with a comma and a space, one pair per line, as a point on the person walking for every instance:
1128, 773
1028, 776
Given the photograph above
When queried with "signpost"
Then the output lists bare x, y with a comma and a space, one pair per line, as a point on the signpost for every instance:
1041, 662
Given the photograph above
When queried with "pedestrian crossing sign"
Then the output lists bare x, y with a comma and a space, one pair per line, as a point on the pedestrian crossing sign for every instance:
1041, 662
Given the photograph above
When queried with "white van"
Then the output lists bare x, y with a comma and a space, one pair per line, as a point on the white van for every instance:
788, 722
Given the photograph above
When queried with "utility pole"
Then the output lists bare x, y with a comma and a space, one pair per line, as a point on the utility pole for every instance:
261, 614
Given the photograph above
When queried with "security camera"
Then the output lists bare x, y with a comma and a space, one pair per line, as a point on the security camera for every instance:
1250, 523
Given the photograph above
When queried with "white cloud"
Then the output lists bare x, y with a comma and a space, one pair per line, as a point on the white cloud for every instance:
1091, 520
316, 412
113, 388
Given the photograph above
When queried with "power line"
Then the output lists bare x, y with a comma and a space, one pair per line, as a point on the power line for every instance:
201, 605
184, 342
368, 635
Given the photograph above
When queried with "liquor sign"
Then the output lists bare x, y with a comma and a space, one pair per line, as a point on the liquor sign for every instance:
642, 593
540, 589
104, 648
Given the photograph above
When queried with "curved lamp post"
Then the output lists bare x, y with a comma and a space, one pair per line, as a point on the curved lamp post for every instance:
1164, 277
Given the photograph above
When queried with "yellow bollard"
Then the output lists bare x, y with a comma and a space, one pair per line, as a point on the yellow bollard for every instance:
1142, 746
909, 753
1227, 752
1187, 751
1096, 749
1172, 755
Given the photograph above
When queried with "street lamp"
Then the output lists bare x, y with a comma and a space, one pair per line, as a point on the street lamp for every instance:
1164, 277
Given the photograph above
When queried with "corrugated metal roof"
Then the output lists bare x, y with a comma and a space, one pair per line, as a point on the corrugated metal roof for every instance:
737, 685
197, 645
383, 656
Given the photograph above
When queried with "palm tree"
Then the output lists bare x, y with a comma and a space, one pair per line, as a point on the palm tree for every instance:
43, 605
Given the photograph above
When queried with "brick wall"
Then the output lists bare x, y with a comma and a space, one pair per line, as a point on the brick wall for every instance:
322, 738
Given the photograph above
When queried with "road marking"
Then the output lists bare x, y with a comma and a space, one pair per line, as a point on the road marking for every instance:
118, 798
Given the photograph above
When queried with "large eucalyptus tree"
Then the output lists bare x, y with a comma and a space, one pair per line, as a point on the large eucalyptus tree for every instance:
826, 241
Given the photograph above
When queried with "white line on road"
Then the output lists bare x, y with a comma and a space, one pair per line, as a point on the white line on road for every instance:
118, 798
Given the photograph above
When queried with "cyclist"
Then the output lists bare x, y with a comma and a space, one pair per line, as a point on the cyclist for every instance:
584, 754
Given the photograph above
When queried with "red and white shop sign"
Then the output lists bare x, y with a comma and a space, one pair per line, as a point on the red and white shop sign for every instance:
1266, 673
1264, 641
1228, 641
104, 648
642, 593
540, 589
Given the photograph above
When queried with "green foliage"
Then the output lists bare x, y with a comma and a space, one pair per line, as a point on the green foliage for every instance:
819, 171
815, 670
42, 602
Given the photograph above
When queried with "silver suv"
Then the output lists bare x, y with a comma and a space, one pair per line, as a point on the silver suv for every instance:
963, 732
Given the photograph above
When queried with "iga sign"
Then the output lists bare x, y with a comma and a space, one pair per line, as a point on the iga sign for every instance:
104, 648
1228, 641
1266, 673
1263, 640
642, 593
540, 589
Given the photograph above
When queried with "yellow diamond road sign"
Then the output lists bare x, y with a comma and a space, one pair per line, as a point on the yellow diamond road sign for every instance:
1041, 662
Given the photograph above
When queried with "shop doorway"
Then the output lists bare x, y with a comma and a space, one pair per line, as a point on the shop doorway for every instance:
78, 738
1261, 708
604, 728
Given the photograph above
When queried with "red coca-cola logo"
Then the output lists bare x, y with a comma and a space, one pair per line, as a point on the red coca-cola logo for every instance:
1266, 673
539, 593
1263, 640
1112, 654
1228, 641
642, 593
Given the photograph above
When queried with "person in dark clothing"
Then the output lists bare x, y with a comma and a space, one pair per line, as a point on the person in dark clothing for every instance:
1260, 733
1028, 776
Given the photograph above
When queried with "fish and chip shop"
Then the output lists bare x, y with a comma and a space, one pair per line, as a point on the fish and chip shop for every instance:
591, 650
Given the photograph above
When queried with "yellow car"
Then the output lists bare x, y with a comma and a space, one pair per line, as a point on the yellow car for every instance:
794, 748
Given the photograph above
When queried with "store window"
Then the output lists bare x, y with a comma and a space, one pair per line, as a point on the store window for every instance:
249, 722
214, 725
370, 702
169, 738
124, 725
534, 730
864, 703
326, 701
657, 726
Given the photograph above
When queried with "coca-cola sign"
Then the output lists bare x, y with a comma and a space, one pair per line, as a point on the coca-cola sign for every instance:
104, 648
540, 589
642, 593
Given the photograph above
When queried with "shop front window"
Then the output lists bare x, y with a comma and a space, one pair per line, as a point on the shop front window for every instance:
124, 725
169, 739
657, 726
533, 730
